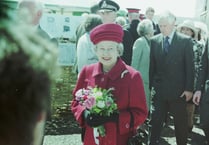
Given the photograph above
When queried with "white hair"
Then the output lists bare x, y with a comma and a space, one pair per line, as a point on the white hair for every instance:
121, 21
145, 27
120, 49
38, 4
167, 15
30, 11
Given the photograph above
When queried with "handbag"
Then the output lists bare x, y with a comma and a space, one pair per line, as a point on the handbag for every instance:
141, 136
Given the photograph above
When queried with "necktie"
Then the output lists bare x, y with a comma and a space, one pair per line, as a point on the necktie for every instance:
166, 44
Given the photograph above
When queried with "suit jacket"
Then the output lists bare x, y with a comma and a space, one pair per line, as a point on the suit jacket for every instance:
172, 73
203, 76
132, 29
127, 45
203, 85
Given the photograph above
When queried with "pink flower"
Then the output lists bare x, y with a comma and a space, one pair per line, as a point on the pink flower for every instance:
86, 92
90, 102
79, 95
97, 101
108, 103
85, 97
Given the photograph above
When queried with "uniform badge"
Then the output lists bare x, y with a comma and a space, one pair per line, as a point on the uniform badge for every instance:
104, 4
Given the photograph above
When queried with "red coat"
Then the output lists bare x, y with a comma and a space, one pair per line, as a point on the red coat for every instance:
129, 93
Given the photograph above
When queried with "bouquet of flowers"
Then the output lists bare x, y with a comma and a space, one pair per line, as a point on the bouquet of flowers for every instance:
97, 101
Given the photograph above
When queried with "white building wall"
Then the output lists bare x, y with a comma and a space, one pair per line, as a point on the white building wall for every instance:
202, 11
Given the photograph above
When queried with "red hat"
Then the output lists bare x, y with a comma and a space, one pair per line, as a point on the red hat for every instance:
133, 10
111, 32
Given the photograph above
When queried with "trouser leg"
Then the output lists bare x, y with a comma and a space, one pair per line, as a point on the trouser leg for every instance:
206, 131
190, 113
204, 115
157, 120
178, 109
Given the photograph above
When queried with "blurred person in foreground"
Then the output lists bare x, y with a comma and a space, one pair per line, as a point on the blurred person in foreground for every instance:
141, 52
171, 78
201, 95
111, 72
25, 84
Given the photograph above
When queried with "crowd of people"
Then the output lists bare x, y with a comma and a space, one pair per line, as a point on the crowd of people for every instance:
153, 68
171, 60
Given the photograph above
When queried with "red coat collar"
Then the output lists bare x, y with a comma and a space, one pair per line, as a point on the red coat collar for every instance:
116, 72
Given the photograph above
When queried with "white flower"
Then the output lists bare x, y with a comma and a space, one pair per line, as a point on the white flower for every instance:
97, 94
101, 104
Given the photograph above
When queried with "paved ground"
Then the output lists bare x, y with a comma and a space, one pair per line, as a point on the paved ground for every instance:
168, 137
196, 138
73, 139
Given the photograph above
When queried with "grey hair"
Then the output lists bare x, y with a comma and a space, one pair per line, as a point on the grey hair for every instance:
38, 4
92, 21
145, 27
149, 9
120, 20
120, 48
167, 15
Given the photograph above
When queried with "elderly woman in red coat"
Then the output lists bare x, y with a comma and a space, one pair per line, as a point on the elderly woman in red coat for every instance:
111, 72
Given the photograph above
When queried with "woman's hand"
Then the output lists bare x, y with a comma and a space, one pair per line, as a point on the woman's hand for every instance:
187, 95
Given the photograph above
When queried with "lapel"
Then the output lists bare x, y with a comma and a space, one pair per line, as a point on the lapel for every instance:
158, 49
161, 42
172, 44
159, 45
118, 71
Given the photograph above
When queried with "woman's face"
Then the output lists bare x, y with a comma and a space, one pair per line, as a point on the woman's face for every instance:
187, 31
107, 53
108, 16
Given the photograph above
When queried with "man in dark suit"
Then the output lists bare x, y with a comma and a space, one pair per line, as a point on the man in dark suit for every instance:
171, 78
201, 96
133, 17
